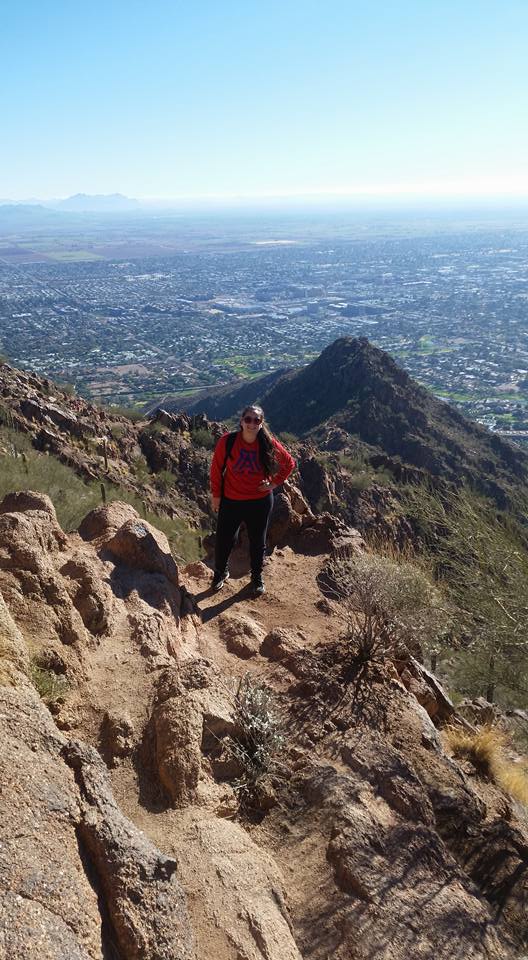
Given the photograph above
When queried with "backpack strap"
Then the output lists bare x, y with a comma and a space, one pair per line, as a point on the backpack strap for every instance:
230, 442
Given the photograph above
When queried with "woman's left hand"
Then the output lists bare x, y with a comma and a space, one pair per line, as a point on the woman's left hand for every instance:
266, 485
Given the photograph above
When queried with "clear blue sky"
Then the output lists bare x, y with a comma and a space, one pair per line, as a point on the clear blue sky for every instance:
258, 97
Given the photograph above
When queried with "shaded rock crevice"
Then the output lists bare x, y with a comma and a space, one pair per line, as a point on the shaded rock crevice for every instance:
109, 945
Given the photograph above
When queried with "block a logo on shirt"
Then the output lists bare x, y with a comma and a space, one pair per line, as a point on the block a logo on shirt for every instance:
247, 463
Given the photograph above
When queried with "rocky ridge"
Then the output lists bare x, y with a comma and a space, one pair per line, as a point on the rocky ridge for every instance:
123, 831
355, 390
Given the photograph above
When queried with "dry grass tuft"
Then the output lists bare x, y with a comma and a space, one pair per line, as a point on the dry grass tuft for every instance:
486, 749
482, 748
513, 778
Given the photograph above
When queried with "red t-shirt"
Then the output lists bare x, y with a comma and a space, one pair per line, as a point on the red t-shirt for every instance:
244, 473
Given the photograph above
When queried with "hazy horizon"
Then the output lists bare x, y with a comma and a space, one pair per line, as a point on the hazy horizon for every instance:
181, 103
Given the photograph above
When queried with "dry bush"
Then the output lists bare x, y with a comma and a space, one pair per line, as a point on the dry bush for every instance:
486, 748
260, 738
391, 606
483, 748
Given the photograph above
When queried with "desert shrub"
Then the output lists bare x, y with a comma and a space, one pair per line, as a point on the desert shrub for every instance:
360, 481
73, 498
135, 414
353, 463
487, 750
155, 426
6, 415
201, 437
67, 388
50, 686
480, 556
259, 739
391, 606
287, 438
164, 481
141, 471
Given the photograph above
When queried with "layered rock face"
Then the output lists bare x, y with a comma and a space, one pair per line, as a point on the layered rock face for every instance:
77, 879
140, 822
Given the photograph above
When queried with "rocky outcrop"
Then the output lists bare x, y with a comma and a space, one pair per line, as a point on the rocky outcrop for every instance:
90, 596
241, 634
236, 901
360, 836
192, 715
42, 876
139, 545
101, 524
14, 658
77, 879
145, 902
280, 644
100, 445
32, 544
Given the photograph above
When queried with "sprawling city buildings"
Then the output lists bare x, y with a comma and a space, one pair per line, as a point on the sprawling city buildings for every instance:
451, 306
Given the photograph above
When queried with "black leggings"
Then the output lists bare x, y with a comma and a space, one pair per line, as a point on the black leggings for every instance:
255, 514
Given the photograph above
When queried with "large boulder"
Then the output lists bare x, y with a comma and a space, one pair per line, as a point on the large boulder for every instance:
141, 546
192, 715
89, 594
102, 523
22, 500
31, 544
241, 634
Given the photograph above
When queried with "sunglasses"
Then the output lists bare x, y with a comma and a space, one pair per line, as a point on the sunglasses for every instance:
256, 420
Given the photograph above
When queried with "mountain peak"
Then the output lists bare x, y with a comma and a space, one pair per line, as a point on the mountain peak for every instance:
98, 202
361, 390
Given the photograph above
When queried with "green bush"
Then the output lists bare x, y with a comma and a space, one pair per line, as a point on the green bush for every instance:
288, 439
480, 557
51, 687
164, 481
23, 468
202, 438
135, 414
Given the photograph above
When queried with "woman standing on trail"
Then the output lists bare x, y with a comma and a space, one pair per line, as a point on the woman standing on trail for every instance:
246, 468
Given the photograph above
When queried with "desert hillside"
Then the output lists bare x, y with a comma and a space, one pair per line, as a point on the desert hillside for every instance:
218, 777
210, 776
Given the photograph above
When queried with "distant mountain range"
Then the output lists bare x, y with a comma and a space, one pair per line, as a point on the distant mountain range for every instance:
20, 216
98, 203
78, 203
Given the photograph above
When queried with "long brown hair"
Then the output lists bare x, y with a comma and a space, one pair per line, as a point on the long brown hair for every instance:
268, 458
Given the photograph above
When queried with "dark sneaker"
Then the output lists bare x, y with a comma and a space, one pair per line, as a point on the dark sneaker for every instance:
257, 586
218, 580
